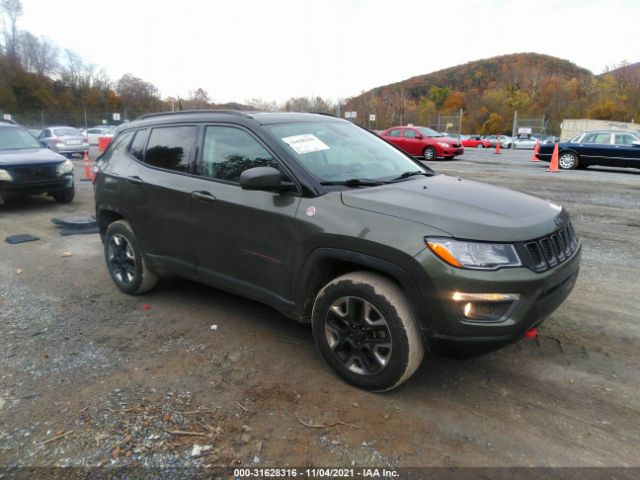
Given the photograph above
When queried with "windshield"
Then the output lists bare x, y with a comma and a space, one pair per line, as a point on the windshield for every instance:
428, 132
337, 152
15, 138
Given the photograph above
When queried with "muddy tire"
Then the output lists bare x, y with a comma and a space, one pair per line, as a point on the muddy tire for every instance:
125, 261
366, 332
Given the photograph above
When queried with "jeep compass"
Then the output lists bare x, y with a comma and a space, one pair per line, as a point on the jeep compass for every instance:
334, 227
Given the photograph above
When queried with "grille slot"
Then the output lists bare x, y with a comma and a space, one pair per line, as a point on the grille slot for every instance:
550, 251
34, 173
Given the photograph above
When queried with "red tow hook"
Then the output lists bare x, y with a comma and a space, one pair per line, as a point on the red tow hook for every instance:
532, 333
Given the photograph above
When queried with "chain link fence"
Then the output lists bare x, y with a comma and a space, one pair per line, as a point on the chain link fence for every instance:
39, 119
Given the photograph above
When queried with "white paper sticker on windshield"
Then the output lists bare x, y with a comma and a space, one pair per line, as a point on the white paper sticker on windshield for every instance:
307, 143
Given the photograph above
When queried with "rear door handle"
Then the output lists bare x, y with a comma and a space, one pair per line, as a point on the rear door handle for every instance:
204, 196
135, 180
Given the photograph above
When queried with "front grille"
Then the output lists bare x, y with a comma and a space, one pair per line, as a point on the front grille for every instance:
552, 250
456, 145
33, 173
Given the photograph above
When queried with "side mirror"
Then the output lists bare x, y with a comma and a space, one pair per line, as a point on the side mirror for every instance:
418, 137
261, 178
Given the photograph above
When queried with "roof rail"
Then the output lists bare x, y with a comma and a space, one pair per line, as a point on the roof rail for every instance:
160, 114
326, 114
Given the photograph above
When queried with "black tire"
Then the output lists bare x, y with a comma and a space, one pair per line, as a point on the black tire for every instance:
358, 310
125, 261
568, 161
430, 153
64, 196
479, 145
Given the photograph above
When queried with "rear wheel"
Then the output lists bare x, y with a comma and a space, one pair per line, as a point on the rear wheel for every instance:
125, 261
366, 332
568, 161
479, 146
64, 196
430, 153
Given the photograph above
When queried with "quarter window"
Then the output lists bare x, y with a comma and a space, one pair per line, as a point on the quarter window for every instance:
120, 144
171, 147
229, 151
137, 146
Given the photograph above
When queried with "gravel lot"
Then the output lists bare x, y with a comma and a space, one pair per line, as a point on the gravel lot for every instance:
90, 376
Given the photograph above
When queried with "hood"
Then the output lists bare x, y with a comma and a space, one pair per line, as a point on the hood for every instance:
463, 208
28, 156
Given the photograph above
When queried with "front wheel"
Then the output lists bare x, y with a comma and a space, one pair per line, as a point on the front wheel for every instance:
125, 262
568, 161
479, 146
430, 153
64, 196
366, 332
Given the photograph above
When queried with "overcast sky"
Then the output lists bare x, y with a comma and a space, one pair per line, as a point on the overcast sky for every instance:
276, 49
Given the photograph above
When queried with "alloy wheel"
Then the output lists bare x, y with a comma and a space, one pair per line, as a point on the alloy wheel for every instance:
567, 161
358, 335
122, 259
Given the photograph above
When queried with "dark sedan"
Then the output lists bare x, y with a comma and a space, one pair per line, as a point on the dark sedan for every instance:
606, 148
27, 167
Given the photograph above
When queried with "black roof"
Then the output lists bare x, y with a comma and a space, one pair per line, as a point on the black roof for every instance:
262, 118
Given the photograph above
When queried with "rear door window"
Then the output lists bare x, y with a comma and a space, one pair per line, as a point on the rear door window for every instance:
625, 139
409, 133
171, 148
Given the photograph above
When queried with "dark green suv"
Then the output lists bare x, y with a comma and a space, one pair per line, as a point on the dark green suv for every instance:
335, 227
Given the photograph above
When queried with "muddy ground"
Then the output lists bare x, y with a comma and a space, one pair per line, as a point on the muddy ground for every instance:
90, 376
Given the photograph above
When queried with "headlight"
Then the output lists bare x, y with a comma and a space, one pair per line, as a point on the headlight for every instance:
474, 255
5, 176
65, 167
445, 145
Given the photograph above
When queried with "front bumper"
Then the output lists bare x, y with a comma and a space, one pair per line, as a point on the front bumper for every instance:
38, 186
540, 294
451, 152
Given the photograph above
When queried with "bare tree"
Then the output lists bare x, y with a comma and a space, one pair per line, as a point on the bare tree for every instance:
10, 11
137, 95
39, 56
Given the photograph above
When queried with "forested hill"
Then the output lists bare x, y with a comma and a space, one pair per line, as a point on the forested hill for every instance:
490, 90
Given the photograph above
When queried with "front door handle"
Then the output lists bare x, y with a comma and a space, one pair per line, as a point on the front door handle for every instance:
134, 180
204, 196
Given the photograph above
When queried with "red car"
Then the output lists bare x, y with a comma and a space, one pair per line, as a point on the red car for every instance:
423, 141
474, 141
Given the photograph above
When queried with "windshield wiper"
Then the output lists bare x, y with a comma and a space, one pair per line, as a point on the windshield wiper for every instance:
412, 174
354, 182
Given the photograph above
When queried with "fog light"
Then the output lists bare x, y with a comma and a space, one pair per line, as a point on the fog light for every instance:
485, 307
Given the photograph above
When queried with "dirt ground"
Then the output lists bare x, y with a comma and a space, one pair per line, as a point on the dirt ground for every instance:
189, 376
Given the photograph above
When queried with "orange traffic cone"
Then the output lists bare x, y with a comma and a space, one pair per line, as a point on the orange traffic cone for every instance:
497, 146
87, 168
536, 149
553, 166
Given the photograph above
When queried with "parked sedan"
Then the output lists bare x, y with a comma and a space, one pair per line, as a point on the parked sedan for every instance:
474, 141
96, 132
505, 141
423, 141
27, 167
64, 140
525, 142
606, 148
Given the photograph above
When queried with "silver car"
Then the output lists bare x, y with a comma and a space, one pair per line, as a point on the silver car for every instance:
64, 140
525, 143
